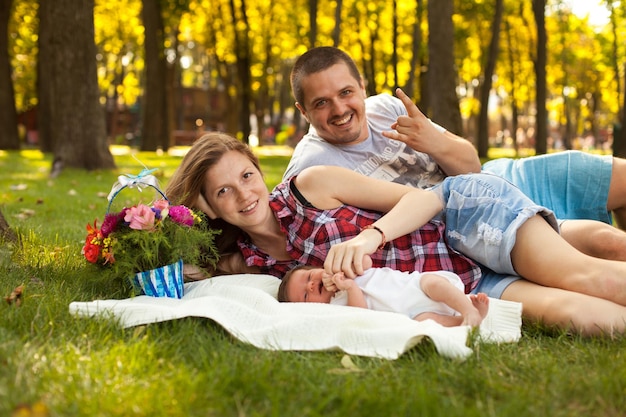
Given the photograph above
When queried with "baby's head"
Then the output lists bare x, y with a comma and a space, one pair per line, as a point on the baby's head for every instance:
304, 284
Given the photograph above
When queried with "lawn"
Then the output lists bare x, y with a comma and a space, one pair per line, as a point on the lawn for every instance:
60, 365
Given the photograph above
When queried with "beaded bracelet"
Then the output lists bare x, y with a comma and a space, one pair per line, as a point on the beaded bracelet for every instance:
384, 241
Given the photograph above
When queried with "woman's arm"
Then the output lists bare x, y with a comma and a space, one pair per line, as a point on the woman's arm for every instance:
407, 209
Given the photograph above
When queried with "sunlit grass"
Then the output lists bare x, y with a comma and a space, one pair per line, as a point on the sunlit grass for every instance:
192, 367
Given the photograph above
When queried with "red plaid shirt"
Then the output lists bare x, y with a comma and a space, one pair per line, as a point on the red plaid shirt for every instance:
311, 232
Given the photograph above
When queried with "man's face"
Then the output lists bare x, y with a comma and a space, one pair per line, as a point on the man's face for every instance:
334, 104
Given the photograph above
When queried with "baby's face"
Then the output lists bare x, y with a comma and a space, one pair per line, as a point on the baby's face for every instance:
306, 286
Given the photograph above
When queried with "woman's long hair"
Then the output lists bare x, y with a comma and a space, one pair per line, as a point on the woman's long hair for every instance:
186, 185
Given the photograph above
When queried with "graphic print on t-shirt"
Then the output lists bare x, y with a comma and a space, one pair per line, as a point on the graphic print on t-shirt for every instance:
402, 165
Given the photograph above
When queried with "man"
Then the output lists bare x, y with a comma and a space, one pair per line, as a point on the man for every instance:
390, 138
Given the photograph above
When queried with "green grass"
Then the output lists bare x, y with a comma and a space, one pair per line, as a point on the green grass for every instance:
192, 367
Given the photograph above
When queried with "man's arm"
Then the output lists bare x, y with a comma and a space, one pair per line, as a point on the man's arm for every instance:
452, 153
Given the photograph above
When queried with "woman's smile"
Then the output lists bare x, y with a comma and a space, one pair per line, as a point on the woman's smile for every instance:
250, 207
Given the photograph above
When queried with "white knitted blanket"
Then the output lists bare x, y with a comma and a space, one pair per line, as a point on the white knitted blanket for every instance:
246, 306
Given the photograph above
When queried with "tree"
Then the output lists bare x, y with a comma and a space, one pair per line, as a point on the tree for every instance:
312, 22
154, 116
9, 138
241, 29
416, 58
337, 30
6, 233
442, 76
619, 130
71, 118
541, 136
482, 142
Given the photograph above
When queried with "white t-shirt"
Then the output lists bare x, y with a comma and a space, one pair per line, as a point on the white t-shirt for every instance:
386, 289
377, 156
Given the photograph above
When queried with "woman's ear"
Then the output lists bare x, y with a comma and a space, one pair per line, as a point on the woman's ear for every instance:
203, 205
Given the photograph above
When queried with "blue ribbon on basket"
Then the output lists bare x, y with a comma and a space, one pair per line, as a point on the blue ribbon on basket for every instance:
142, 180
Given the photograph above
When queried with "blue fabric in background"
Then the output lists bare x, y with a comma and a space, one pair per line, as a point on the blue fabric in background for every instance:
573, 184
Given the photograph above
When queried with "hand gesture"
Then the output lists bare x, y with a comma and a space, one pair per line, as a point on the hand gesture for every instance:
414, 129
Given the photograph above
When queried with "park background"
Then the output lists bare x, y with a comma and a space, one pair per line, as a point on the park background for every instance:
92, 90
76, 76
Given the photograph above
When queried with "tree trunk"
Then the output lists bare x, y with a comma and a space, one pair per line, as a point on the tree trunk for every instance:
154, 120
68, 86
442, 75
410, 87
242, 50
312, 22
337, 30
619, 134
394, 51
619, 129
9, 138
482, 142
541, 128
6, 233
513, 92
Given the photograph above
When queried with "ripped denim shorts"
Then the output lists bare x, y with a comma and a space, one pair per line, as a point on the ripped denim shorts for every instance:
482, 215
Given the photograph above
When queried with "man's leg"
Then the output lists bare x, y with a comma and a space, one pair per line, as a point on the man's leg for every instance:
595, 238
616, 202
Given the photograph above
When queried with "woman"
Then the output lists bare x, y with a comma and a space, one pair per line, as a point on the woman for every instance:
333, 217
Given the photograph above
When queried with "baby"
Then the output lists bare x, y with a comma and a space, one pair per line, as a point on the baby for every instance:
430, 295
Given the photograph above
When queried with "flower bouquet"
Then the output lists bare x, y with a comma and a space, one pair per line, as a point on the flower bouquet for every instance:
146, 245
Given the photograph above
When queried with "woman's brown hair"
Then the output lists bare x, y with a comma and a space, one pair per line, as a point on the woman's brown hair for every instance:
186, 185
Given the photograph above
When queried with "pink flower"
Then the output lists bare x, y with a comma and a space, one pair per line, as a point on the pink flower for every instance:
161, 204
140, 217
181, 215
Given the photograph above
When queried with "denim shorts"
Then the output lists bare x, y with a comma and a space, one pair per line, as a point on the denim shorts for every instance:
494, 284
573, 184
482, 215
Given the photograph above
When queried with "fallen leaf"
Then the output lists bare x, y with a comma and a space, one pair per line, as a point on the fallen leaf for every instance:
16, 296
25, 214
18, 187
348, 367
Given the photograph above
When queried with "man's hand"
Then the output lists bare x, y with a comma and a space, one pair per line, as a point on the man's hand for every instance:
452, 153
414, 129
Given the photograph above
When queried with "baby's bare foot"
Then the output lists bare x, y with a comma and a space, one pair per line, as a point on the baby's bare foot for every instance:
480, 301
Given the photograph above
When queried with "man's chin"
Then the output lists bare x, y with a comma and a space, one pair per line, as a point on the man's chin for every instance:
344, 139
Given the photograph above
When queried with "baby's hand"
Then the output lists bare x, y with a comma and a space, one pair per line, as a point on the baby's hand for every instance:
341, 282
329, 284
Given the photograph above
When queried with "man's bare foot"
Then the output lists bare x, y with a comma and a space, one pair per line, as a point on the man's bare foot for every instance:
480, 302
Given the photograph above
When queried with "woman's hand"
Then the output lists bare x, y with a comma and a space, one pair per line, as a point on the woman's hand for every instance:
352, 256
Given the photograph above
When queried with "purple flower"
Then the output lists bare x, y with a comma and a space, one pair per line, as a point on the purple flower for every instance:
181, 215
110, 223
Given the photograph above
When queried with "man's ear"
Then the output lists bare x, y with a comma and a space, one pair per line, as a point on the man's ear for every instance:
203, 205
362, 84
302, 111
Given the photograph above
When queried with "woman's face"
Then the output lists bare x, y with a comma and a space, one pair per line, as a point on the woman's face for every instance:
236, 191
